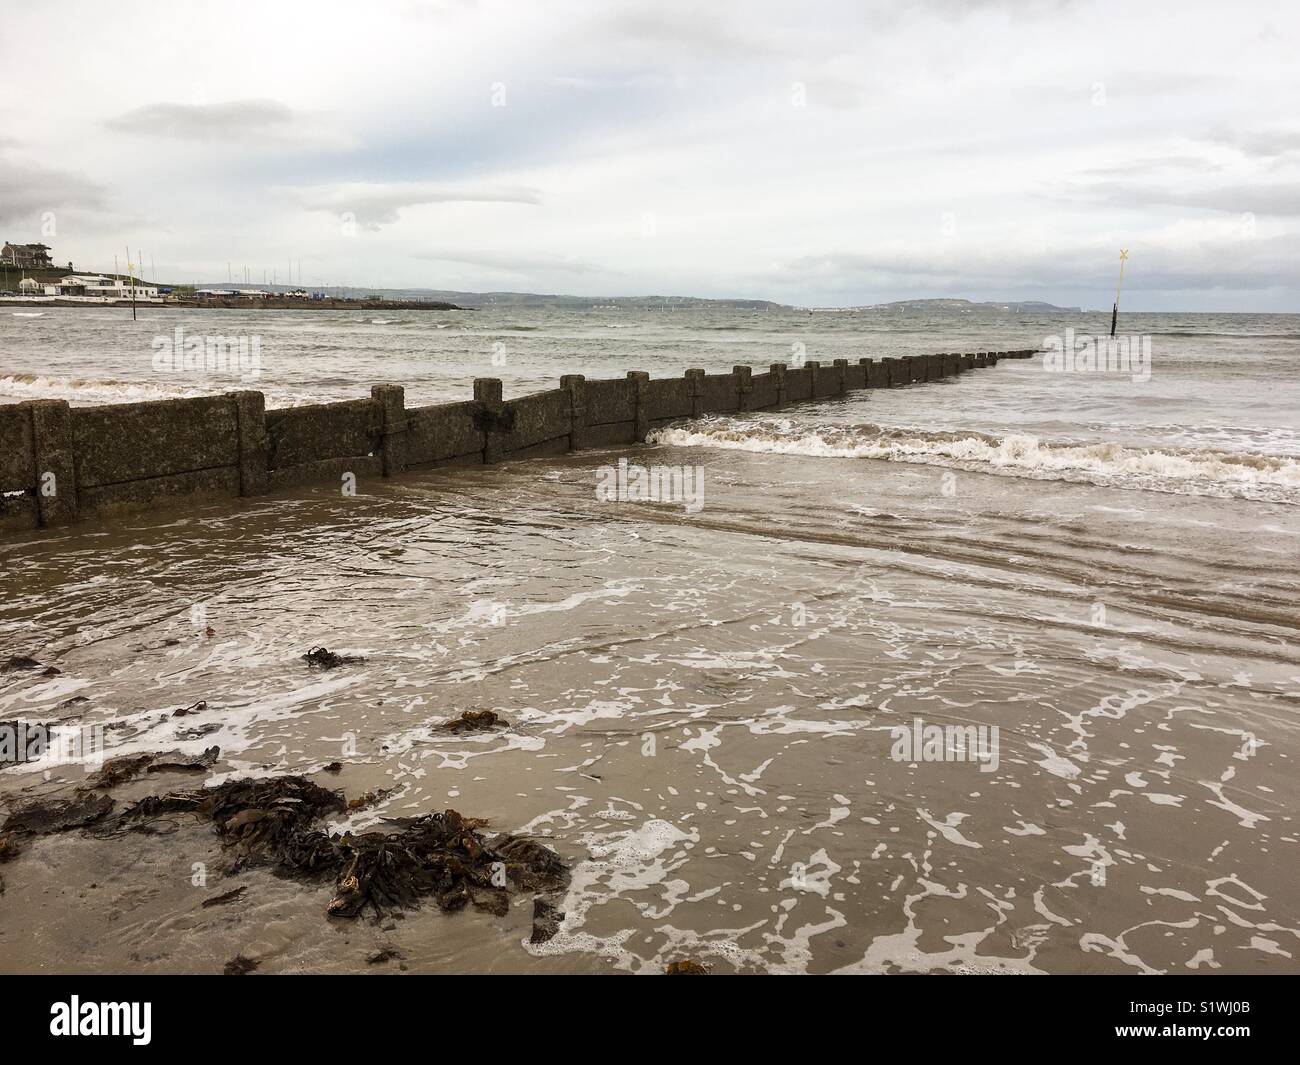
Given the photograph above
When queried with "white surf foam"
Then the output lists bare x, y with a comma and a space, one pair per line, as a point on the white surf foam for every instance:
81, 392
1186, 471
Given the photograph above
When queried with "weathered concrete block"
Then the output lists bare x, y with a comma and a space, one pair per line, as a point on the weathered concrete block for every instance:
540, 418
297, 435
670, 398
856, 375
393, 427
611, 433
18, 513
695, 388
718, 393
17, 461
762, 394
127, 496
744, 385
610, 400
487, 394
779, 386
840, 376
641, 404
444, 434
877, 373
357, 469
55, 462
250, 422
575, 385
799, 383
135, 441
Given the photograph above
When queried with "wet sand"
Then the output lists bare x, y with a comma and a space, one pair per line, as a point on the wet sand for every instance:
700, 713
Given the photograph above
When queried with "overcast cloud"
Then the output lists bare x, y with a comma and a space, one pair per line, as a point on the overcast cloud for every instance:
812, 153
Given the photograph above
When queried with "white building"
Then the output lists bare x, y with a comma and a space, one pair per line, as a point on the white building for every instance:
104, 287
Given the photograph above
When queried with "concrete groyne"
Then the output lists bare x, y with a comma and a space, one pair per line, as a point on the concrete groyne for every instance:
60, 463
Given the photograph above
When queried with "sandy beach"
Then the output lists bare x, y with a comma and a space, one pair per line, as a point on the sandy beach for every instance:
702, 712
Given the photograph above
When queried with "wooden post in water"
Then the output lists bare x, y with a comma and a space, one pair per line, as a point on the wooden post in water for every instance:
1114, 311
130, 270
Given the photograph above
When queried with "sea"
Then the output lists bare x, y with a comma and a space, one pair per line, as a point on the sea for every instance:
993, 674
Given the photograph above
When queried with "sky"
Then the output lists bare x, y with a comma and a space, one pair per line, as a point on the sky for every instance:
818, 154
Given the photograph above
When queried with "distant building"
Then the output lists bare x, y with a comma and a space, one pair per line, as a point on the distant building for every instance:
29, 286
26, 256
99, 285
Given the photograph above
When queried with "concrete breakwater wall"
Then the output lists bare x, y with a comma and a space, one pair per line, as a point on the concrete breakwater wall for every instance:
60, 463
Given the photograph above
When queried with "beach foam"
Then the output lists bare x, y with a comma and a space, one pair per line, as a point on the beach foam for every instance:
1187, 471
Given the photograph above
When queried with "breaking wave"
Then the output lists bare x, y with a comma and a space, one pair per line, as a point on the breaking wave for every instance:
1188, 471
83, 392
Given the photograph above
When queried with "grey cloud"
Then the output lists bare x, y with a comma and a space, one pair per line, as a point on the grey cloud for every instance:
232, 120
1152, 164
686, 28
520, 264
27, 190
1262, 144
376, 205
1242, 264
1256, 197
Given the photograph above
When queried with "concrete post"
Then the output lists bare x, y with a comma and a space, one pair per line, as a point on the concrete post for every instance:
777, 369
841, 375
695, 386
744, 376
981, 358
250, 422
56, 476
576, 385
641, 398
814, 371
487, 394
393, 426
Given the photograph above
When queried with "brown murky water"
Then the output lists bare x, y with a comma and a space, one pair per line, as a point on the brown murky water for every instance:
702, 711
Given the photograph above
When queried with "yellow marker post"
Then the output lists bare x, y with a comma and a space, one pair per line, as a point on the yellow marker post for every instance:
1114, 313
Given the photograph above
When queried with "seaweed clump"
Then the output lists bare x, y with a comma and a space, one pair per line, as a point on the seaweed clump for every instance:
324, 658
272, 822
443, 856
474, 721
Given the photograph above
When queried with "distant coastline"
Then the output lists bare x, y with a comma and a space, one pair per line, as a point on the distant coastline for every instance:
263, 303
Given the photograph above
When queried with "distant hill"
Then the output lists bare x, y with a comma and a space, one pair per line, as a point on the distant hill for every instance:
951, 306
523, 300
476, 300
